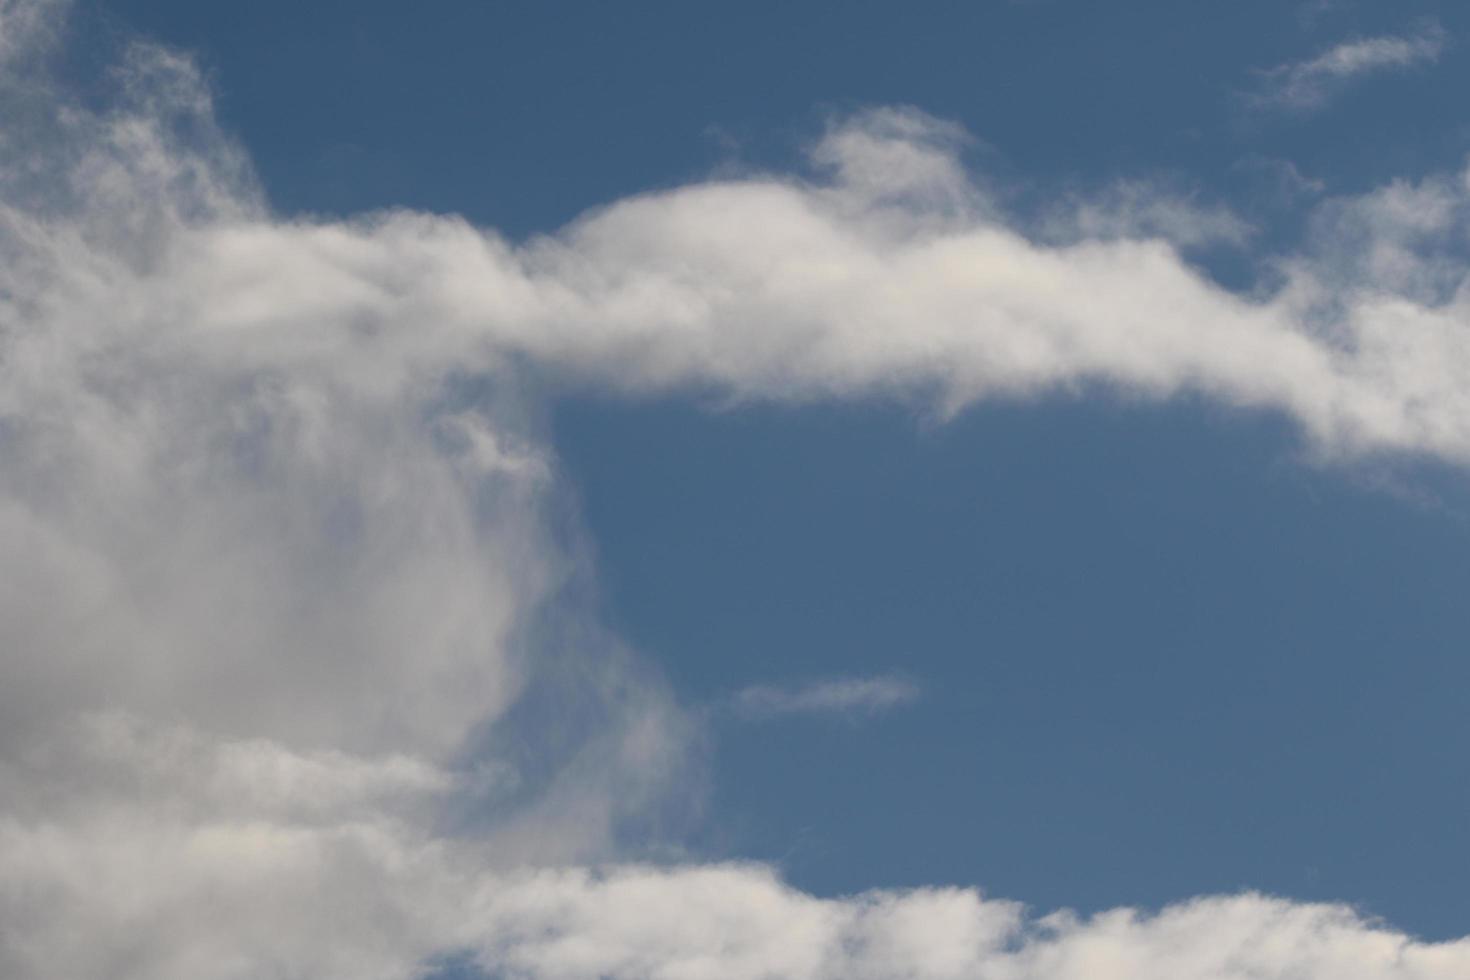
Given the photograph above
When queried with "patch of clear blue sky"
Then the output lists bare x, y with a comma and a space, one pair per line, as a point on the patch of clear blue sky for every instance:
1161, 655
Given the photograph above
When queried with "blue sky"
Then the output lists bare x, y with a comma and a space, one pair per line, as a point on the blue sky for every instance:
1159, 655
522, 116
812, 474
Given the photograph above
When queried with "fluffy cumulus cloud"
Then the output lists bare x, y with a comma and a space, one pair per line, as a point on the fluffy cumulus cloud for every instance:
296, 679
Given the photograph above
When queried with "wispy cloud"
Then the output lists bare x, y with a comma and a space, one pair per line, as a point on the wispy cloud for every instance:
1142, 209
1307, 85
834, 696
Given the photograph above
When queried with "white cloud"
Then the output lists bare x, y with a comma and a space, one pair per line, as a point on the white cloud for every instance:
1309, 84
370, 901
1137, 209
295, 679
740, 922
842, 696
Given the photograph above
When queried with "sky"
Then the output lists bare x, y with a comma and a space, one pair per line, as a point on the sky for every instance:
695, 491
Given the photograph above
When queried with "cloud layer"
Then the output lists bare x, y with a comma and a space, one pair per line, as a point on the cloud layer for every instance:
296, 678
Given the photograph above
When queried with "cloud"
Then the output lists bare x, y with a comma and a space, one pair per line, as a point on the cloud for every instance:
1306, 85
740, 922
839, 696
1138, 209
298, 672
1280, 179
242, 900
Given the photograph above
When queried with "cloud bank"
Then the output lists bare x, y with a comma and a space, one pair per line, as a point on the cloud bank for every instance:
297, 678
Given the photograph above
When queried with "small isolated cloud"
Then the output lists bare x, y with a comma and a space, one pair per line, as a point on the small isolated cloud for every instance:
1306, 85
1281, 180
842, 695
